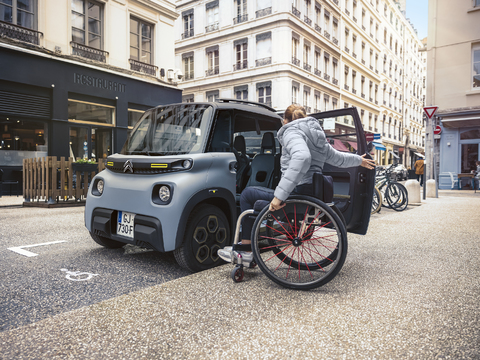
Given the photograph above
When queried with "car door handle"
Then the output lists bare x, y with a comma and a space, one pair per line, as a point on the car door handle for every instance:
362, 178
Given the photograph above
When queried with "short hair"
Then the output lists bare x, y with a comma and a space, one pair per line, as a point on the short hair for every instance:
294, 112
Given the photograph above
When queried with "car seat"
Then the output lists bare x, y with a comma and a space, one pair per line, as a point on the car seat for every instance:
243, 162
263, 164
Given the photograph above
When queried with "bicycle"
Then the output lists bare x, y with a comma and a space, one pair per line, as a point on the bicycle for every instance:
395, 195
377, 200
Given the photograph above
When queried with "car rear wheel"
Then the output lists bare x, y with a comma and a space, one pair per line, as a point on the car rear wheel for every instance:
106, 242
207, 231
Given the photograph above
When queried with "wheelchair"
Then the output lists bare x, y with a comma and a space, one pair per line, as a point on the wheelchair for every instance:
300, 246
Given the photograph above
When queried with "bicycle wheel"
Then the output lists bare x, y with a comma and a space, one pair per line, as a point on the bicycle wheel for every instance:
307, 243
397, 196
377, 200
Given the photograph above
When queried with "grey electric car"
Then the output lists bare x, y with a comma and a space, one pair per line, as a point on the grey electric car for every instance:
175, 184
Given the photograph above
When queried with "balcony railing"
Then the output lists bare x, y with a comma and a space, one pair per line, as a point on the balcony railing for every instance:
371, 99
143, 67
263, 62
211, 72
347, 12
326, 77
308, 109
317, 72
188, 34
307, 20
327, 34
263, 12
354, 19
335, 40
384, 102
335, 81
363, 62
240, 19
307, 67
371, 67
20, 33
211, 27
363, 96
335, 2
364, 28
318, 28
376, 102
295, 61
89, 52
347, 50
346, 87
354, 91
296, 12
240, 65
354, 55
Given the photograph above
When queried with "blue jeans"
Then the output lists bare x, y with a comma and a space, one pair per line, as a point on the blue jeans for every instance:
253, 193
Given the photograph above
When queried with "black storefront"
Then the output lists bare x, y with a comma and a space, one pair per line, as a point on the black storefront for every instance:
51, 106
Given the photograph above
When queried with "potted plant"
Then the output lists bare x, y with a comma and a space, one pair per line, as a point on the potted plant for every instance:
84, 165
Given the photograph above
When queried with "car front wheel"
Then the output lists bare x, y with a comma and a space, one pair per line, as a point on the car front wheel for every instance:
207, 231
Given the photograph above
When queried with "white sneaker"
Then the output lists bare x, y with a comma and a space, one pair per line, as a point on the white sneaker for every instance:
226, 253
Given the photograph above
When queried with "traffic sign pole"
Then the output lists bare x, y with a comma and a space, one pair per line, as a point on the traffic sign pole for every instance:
430, 112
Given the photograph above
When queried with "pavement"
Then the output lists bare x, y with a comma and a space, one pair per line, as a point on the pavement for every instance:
410, 288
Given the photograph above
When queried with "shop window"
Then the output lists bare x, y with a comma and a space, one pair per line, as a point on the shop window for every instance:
133, 117
90, 112
20, 140
469, 157
471, 134
87, 19
141, 41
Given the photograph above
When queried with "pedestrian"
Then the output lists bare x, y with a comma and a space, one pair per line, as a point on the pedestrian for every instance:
305, 150
419, 167
476, 179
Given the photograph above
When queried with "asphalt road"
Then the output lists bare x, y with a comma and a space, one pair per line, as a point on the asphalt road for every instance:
34, 288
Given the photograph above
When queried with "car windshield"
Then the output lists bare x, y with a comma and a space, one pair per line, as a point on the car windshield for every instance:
170, 130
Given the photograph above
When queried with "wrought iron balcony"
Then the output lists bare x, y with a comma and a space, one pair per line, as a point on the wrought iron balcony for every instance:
327, 34
21, 33
308, 109
263, 62
89, 52
376, 71
335, 81
318, 28
371, 35
263, 12
347, 50
384, 102
335, 2
307, 67
354, 19
211, 72
240, 19
364, 28
376, 102
317, 72
347, 12
363, 61
240, 65
211, 27
371, 99
296, 12
295, 61
346, 87
187, 34
335, 40
354, 55
371, 67
307, 20
354, 91
326, 77
363, 96
143, 67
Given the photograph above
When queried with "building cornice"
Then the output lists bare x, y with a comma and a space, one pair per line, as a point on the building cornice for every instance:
164, 10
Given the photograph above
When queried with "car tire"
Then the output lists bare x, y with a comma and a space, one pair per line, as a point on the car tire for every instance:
207, 231
106, 242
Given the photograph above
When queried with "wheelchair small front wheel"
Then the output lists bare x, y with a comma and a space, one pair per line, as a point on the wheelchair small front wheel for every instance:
237, 273
301, 246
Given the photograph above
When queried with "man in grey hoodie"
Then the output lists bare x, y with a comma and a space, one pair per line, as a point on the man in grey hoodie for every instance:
305, 150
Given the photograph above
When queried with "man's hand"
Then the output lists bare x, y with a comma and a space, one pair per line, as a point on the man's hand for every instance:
367, 163
276, 204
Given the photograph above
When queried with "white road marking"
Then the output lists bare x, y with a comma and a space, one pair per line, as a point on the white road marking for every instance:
20, 249
78, 274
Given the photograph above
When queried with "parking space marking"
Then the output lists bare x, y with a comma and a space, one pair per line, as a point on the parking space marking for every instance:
80, 276
20, 249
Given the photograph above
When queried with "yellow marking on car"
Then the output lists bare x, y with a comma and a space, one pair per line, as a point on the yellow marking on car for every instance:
109, 163
161, 166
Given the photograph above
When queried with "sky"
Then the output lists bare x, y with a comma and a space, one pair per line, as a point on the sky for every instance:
417, 12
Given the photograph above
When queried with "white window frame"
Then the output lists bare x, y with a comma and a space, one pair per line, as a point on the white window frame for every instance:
475, 48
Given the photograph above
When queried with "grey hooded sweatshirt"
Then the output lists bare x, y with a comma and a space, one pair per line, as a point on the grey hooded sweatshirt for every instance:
304, 152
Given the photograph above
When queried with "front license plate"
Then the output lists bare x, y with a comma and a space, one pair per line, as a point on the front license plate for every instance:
125, 224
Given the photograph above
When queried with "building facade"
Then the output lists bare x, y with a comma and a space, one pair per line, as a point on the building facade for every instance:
321, 54
75, 75
454, 86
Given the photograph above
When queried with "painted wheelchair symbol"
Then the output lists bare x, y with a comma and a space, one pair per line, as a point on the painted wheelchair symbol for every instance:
78, 275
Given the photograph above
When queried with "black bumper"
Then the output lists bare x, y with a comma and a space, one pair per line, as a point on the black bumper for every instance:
147, 232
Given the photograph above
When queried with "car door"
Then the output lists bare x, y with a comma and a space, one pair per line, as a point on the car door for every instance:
353, 187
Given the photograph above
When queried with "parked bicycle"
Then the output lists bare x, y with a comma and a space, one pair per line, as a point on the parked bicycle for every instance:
395, 195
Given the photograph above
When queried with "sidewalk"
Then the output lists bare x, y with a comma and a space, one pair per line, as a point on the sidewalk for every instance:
410, 288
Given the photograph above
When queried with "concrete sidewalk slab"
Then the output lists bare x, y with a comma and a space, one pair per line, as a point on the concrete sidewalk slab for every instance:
410, 288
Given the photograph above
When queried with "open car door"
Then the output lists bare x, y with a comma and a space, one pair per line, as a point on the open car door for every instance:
353, 187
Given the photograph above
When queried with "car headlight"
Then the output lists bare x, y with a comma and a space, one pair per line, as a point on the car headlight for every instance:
164, 193
187, 164
100, 185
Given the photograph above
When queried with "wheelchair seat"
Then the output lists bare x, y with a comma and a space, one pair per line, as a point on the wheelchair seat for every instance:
263, 164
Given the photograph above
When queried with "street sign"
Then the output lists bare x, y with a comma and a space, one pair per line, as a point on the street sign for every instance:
376, 136
430, 110
438, 130
369, 137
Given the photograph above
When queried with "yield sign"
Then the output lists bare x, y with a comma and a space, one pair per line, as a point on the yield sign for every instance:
430, 110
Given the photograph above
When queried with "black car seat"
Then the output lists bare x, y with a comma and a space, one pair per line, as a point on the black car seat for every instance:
263, 164
243, 162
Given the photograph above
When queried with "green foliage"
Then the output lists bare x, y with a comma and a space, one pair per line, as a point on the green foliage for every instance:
84, 161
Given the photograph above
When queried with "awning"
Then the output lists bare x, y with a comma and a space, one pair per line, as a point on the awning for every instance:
418, 154
353, 144
338, 145
379, 146
395, 155
461, 121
